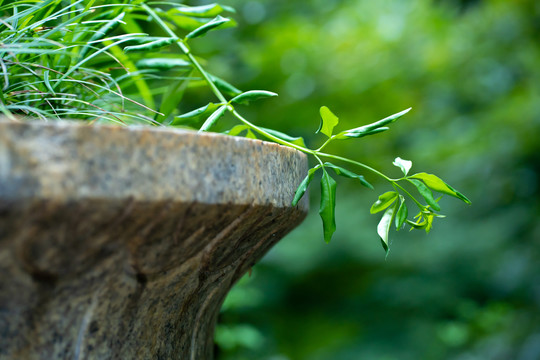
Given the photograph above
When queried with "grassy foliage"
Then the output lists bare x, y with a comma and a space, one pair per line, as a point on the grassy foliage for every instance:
57, 62
91, 60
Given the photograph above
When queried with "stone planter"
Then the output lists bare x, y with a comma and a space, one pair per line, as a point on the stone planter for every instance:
121, 243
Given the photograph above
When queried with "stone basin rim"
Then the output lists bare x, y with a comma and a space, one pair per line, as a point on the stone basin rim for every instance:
138, 127
230, 169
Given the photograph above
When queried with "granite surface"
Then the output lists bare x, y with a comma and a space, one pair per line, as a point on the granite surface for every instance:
121, 243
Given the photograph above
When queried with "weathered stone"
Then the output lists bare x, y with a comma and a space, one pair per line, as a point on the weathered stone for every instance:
121, 243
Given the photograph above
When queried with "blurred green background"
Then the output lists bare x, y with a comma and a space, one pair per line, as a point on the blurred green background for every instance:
471, 72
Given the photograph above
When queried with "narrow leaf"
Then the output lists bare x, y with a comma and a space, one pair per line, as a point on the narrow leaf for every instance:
224, 86
295, 140
172, 98
194, 115
404, 165
102, 32
203, 10
368, 129
149, 46
109, 26
328, 121
251, 135
429, 222
383, 227
213, 118
384, 201
237, 130
358, 134
402, 213
439, 185
202, 30
47, 82
417, 225
390, 119
187, 23
327, 208
302, 188
251, 95
426, 193
162, 63
348, 174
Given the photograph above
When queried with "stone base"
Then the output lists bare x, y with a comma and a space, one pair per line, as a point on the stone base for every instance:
108, 259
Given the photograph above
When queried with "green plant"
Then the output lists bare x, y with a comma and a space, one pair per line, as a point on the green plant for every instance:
93, 61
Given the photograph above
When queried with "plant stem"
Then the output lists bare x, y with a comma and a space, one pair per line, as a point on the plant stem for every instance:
395, 184
364, 166
181, 44
325, 143
213, 87
270, 136
215, 90
316, 153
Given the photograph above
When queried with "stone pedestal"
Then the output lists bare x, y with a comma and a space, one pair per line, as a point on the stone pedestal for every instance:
121, 243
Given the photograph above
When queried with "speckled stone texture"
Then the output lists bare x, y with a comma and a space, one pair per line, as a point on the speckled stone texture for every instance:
121, 243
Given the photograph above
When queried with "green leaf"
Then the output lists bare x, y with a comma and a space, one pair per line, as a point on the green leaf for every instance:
439, 185
429, 221
302, 188
237, 130
417, 225
251, 135
402, 213
383, 228
202, 30
373, 127
348, 174
390, 119
295, 140
149, 46
203, 10
426, 193
327, 209
183, 22
213, 118
251, 95
162, 63
47, 82
384, 201
328, 121
349, 135
195, 115
102, 32
224, 86
404, 165
172, 98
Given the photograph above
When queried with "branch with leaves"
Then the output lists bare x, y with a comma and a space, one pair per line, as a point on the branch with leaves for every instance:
74, 59
392, 202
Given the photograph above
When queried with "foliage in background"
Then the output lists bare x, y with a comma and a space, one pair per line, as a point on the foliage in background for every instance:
67, 49
471, 72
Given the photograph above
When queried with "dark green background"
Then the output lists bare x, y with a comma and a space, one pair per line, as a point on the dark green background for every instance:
470, 70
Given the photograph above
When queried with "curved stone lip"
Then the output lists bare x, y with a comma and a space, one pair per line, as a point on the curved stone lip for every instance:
69, 161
